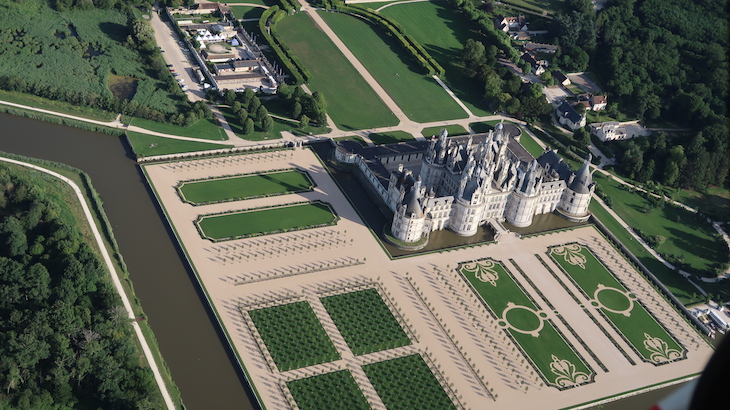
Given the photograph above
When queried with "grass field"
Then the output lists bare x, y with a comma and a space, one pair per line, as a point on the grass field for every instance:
453, 130
145, 145
365, 322
407, 383
631, 319
543, 346
328, 391
531, 145
347, 94
689, 237
247, 12
443, 32
293, 336
267, 220
390, 137
241, 187
203, 129
420, 97
683, 290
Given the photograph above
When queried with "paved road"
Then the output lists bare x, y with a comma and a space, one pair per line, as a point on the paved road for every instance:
115, 279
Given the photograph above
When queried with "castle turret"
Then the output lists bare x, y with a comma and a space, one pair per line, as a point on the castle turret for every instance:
577, 196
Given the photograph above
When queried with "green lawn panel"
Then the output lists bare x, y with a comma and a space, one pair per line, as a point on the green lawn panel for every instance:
453, 130
245, 186
407, 383
420, 97
261, 221
635, 327
351, 103
293, 336
442, 32
203, 129
499, 291
337, 390
365, 322
146, 145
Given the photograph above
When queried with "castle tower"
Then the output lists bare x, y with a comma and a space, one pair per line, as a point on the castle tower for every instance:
577, 196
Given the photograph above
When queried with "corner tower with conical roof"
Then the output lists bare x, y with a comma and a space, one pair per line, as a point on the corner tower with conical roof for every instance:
577, 196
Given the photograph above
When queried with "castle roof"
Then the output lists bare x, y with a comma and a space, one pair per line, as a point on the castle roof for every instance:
551, 160
413, 208
583, 180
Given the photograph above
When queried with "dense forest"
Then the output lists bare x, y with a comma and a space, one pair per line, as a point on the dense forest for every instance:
65, 340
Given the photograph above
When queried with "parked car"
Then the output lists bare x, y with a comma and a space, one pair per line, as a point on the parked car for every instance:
176, 74
169, 65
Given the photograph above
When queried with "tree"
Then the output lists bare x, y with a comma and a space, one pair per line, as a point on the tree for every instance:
582, 137
303, 122
473, 55
296, 110
246, 97
284, 92
229, 97
267, 124
242, 116
261, 113
248, 126
299, 92
254, 105
236, 107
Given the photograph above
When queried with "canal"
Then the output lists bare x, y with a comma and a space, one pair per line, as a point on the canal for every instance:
202, 367
195, 350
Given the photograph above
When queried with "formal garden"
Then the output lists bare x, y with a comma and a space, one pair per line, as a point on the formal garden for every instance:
265, 221
365, 321
407, 383
622, 308
420, 97
293, 336
244, 186
540, 341
443, 32
334, 76
336, 390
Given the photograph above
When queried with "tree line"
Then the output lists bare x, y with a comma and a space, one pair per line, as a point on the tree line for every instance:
65, 339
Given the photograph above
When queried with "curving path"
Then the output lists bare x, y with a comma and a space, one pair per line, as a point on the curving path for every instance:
115, 278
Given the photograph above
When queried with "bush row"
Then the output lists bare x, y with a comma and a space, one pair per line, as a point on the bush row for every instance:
413, 47
295, 68
290, 5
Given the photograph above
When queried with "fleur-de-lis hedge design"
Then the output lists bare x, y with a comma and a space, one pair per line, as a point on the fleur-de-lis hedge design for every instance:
571, 254
566, 372
483, 271
660, 351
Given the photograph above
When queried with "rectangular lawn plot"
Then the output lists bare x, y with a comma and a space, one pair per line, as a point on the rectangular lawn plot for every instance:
264, 221
407, 383
553, 357
239, 187
637, 326
336, 390
366, 323
293, 336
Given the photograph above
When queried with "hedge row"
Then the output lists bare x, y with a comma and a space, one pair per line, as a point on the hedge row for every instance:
290, 5
269, 18
413, 47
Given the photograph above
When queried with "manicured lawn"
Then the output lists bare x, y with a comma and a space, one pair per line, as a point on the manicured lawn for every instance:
688, 236
407, 383
715, 202
499, 291
419, 96
365, 322
531, 145
590, 274
267, 220
293, 336
683, 290
328, 391
145, 145
245, 186
247, 12
443, 32
551, 6
453, 130
351, 103
203, 129
390, 137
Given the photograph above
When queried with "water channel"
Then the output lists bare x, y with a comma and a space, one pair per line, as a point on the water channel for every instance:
193, 347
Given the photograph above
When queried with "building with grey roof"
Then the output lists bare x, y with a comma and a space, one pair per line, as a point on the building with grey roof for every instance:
460, 183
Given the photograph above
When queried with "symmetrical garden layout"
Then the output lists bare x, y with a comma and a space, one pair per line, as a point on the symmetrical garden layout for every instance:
244, 186
263, 221
324, 318
649, 339
293, 337
542, 343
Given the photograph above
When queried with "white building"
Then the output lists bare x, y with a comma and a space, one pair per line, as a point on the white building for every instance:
460, 183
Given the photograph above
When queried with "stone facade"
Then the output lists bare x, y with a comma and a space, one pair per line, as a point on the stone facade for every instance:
464, 182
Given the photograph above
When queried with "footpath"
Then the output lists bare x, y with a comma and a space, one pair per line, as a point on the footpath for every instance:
115, 279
